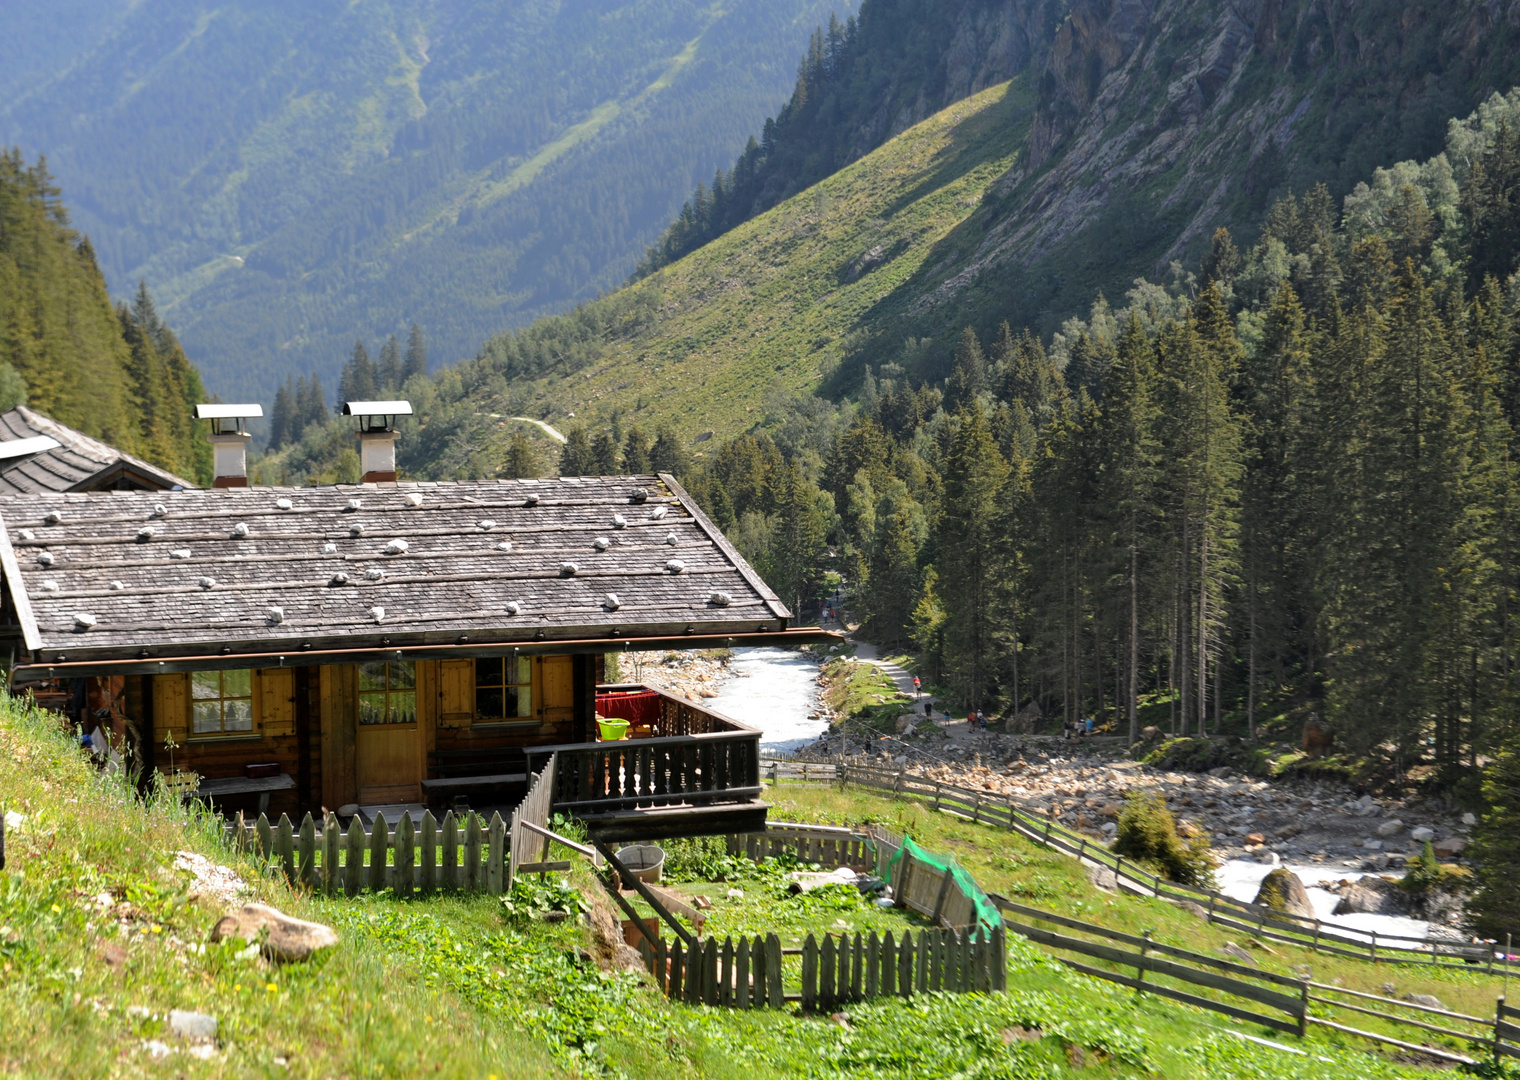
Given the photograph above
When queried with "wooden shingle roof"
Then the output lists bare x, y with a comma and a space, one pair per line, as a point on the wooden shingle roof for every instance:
75, 462
112, 575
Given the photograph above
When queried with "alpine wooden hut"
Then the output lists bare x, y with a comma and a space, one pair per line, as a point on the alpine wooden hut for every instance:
390, 642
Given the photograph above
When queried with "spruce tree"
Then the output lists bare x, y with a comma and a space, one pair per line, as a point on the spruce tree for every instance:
667, 455
636, 452
388, 376
969, 549
520, 459
282, 419
604, 455
576, 457
969, 377
416, 355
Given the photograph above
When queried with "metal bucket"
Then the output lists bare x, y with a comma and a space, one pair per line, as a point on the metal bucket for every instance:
643, 861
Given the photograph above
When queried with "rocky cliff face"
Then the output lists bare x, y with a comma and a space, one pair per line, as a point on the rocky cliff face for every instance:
1158, 120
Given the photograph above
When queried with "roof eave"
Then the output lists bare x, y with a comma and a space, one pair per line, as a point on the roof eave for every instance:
42, 670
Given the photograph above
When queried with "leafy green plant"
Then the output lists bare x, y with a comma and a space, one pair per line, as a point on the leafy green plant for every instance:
529, 898
1148, 833
1428, 872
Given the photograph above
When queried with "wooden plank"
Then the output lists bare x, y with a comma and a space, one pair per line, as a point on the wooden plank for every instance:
677, 970
1403, 1020
307, 849
741, 974
726, 974
888, 985
332, 841
872, 987
405, 835
774, 989
379, 847
353, 879
828, 967
921, 961
1416, 1047
472, 831
1183, 996
429, 862
285, 847
25, 617
809, 974
694, 975
449, 876
905, 966
495, 865
857, 988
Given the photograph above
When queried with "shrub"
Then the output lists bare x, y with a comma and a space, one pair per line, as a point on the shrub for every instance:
1148, 834
1427, 872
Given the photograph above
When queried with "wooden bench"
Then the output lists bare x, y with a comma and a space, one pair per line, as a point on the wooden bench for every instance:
262, 786
498, 773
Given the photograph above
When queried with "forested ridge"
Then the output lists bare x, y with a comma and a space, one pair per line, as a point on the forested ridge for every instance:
119, 373
290, 177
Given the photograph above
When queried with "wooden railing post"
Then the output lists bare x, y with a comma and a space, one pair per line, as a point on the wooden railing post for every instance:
1303, 1009
379, 845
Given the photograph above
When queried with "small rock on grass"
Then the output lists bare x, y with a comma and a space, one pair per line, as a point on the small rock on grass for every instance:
192, 1026
278, 936
1428, 1000
1235, 952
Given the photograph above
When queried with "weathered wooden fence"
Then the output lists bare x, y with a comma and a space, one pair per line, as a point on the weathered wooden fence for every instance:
468, 856
528, 850
1506, 1033
754, 973
830, 845
1256, 920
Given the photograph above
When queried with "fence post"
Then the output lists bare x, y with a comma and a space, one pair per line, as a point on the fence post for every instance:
1317, 925
379, 844
353, 869
332, 837
773, 985
1374, 946
266, 837
677, 970
1498, 1020
809, 974
1050, 820
1212, 898
1303, 1009
937, 787
405, 835
741, 974
726, 974
873, 966
1119, 873
285, 845
429, 851
1144, 947
976, 810
472, 852
1157, 878
905, 964
828, 966
306, 848
495, 872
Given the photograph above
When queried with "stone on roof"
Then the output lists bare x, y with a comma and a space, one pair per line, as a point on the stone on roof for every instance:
203, 571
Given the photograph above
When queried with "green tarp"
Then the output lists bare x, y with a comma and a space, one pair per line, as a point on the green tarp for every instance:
987, 915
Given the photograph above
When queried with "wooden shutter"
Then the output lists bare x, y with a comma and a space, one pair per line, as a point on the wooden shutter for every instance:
456, 693
556, 692
275, 702
171, 711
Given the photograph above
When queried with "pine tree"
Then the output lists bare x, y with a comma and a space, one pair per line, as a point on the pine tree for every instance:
282, 419
388, 376
667, 455
520, 460
636, 452
969, 377
416, 355
604, 455
576, 457
358, 379
970, 552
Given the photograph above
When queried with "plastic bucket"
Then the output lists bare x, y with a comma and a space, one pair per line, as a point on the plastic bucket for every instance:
612, 729
643, 861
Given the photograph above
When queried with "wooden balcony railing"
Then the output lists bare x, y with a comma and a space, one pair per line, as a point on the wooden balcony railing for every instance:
656, 713
647, 774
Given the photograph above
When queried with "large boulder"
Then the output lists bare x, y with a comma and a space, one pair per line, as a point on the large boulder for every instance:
1318, 738
1374, 896
1281, 890
279, 936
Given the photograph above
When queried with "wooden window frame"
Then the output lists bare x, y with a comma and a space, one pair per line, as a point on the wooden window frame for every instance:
388, 693
255, 730
530, 719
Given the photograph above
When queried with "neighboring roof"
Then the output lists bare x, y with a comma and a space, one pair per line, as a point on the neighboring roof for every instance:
145, 575
75, 463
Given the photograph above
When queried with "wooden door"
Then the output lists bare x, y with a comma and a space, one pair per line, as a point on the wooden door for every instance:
556, 692
390, 764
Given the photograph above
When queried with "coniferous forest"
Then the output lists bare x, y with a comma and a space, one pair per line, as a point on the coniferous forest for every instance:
117, 373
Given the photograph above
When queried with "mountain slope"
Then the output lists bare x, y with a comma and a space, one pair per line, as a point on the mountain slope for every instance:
774, 305
1156, 122
288, 177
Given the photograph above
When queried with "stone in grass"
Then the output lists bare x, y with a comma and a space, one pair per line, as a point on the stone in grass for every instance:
192, 1026
1281, 890
1235, 952
1427, 1000
279, 936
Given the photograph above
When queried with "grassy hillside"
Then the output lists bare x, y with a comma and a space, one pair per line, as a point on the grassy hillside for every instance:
775, 305
101, 935
288, 177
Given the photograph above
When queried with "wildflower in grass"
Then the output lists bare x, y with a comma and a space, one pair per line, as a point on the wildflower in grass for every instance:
272, 988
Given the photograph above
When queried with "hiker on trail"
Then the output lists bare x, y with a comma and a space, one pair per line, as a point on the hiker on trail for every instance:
917, 686
928, 708
1089, 725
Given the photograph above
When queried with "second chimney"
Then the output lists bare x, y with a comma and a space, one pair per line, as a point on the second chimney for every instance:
229, 441
377, 437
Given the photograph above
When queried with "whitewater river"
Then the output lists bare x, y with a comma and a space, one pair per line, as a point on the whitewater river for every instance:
773, 690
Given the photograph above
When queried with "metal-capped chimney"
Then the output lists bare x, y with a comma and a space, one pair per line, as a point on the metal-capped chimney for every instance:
229, 441
377, 437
